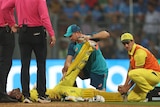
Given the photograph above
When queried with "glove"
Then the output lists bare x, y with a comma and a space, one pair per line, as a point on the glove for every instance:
94, 44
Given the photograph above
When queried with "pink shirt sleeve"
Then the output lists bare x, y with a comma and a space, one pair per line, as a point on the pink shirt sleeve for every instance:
43, 11
8, 11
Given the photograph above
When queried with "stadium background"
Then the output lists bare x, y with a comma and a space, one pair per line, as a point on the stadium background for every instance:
115, 16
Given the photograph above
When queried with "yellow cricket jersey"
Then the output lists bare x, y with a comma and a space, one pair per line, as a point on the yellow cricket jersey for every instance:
140, 56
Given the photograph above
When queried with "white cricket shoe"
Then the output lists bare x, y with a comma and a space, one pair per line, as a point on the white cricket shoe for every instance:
97, 98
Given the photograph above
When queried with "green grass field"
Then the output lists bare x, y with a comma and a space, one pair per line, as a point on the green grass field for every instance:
84, 104
136, 103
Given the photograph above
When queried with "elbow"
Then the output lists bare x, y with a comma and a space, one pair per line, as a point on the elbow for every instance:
107, 34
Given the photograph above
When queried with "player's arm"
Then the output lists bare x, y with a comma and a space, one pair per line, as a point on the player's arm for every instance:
127, 79
95, 37
67, 64
69, 58
100, 35
127, 85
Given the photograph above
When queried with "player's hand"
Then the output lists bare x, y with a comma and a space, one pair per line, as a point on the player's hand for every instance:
14, 28
52, 41
122, 89
94, 44
64, 75
83, 38
64, 72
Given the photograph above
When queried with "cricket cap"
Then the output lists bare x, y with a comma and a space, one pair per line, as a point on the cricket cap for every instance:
72, 29
126, 37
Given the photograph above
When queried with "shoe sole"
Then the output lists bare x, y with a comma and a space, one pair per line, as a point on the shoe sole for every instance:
43, 101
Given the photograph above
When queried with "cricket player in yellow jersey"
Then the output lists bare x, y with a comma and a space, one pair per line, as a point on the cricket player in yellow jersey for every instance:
143, 73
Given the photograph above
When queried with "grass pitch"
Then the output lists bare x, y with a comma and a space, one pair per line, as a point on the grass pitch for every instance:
83, 104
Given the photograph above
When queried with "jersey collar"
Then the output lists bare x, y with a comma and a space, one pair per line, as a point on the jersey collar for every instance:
133, 49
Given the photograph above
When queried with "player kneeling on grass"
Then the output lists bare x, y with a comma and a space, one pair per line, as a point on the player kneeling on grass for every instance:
96, 67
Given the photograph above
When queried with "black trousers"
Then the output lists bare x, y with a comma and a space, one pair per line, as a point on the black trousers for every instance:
33, 39
7, 44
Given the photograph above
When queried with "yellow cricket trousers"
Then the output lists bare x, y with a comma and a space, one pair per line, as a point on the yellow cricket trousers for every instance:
145, 80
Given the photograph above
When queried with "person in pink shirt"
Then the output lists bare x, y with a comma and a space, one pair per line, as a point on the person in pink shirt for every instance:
33, 22
7, 43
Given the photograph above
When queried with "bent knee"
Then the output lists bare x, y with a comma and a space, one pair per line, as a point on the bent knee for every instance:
132, 73
135, 72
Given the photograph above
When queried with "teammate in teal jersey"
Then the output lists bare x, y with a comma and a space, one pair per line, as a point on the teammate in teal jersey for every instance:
96, 68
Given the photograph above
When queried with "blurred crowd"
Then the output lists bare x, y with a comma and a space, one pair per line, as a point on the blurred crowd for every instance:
139, 17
